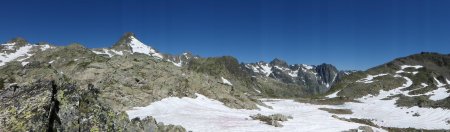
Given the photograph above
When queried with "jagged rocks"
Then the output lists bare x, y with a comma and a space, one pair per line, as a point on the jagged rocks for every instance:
61, 106
314, 79
273, 120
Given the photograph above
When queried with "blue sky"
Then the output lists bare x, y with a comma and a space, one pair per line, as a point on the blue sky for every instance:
351, 34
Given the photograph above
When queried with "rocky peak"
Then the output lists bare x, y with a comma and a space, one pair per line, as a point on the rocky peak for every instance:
18, 41
123, 43
327, 72
278, 62
129, 42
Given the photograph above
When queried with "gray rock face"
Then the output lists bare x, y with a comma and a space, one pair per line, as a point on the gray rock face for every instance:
180, 60
123, 43
49, 105
95, 86
317, 79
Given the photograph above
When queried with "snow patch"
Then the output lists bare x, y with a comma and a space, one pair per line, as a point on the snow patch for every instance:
424, 85
333, 95
139, 47
386, 113
439, 84
369, 78
202, 114
179, 64
266, 69
439, 94
109, 52
409, 66
225, 81
308, 67
25, 63
21, 52
45, 47
256, 90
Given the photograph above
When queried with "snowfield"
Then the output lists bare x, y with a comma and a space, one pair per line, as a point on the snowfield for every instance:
386, 113
202, 114
139, 47
225, 81
23, 52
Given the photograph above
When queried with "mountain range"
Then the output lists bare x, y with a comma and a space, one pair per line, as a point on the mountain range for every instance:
44, 87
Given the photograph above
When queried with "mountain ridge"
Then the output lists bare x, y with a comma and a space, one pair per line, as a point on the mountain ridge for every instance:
77, 88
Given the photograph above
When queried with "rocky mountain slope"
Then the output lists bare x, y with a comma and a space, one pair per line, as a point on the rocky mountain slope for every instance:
408, 92
129, 74
122, 79
426, 75
317, 79
72, 88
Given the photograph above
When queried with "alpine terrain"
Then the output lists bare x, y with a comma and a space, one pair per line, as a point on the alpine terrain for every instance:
131, 86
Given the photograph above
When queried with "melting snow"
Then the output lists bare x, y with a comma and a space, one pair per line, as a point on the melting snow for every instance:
21, 52
439, 84
386, 113
257, 90
409, 66
25, 63
333, 95
225, 81
369, 78
108, 52
179, 64
139, 47
424, 84
202, 114
438, 94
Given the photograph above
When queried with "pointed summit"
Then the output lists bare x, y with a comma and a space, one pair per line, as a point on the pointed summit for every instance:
278, 62
122, 44
129, 42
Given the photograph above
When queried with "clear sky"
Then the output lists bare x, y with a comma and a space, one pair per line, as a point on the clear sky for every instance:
351, 34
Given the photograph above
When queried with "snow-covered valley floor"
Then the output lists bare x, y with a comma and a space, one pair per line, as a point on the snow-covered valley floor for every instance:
202, 114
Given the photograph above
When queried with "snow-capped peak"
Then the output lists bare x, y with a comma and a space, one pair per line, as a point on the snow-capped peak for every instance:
139, 47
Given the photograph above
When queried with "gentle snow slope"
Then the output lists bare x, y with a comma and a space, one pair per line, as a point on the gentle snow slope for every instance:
202, 114
384, 112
